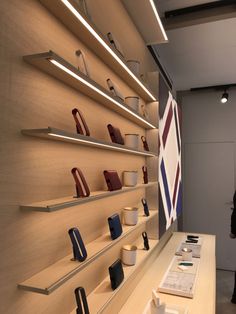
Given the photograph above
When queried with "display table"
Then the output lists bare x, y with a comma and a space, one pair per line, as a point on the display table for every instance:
204, 295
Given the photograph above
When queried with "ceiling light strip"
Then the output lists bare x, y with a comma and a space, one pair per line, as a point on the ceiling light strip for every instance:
105, 45
77, 77
100, 144
158, 19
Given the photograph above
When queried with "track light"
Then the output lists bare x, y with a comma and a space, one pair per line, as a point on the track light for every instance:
224, 97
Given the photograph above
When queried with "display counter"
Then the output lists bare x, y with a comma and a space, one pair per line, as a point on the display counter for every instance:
203, 300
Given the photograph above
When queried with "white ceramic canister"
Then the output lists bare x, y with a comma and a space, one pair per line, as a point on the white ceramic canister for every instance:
134, 66
132, 102
130, 178
130, 216
129, 253
187, 254
132, 140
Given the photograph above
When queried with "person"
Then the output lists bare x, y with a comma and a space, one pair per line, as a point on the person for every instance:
233, 236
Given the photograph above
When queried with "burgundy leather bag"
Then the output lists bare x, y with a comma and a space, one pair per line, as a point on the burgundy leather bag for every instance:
145, 175
145, 144
81, 126
115, 134
112, 180
82, 189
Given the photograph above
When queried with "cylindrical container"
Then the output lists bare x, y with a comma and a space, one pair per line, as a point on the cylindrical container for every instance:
134, 66
130, 178
132, 140
132, 102
187, 254
129, 253
130, 216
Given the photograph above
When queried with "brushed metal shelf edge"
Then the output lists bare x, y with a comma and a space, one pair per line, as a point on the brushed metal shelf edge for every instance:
41, 61
78, 201
50, 289
85, 140
79, 30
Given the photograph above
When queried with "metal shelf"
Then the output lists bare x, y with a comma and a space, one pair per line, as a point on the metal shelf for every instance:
69, 14
59, 68
64, 136
54, 276
65, 202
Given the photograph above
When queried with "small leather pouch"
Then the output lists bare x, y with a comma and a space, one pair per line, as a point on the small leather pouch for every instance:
81, 125
79, 250
116, 274
82, 189
81, 300
145, 207
145, 144
145, 240
145, 175
114, 226
112, 180
115, 134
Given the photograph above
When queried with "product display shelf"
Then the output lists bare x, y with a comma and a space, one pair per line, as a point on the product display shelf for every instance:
68, 12
51, 278
64, 202
61, 135
59, 68
103, 294
146, 22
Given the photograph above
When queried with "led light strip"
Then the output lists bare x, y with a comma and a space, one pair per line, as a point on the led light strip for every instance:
158, 19
102, 145
104, 44
77, 77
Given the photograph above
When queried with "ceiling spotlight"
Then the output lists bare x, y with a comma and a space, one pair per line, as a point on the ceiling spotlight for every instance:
224, 97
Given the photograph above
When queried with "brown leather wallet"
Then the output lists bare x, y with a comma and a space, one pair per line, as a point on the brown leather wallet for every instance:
112, 180
145, 175
115, 134
82, 189
145, 144
80, 130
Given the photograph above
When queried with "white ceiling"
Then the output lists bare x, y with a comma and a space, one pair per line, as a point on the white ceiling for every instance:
199, 55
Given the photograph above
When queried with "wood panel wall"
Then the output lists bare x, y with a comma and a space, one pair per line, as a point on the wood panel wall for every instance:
36, 169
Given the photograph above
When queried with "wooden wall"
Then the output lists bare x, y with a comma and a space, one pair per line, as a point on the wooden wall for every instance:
34, 169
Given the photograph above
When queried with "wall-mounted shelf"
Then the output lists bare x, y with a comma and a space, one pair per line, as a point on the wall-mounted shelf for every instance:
57, 274
64, 202
61, 135
59, 68
103, 294
69, 14
145, 16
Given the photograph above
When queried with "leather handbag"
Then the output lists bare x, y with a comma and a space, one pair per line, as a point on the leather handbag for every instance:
145, 175
112, 180
115, 134
145, 240
82, 189
145, 144
116, 274
115, 226
81, 300
145, 207
79, 250
81, 125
